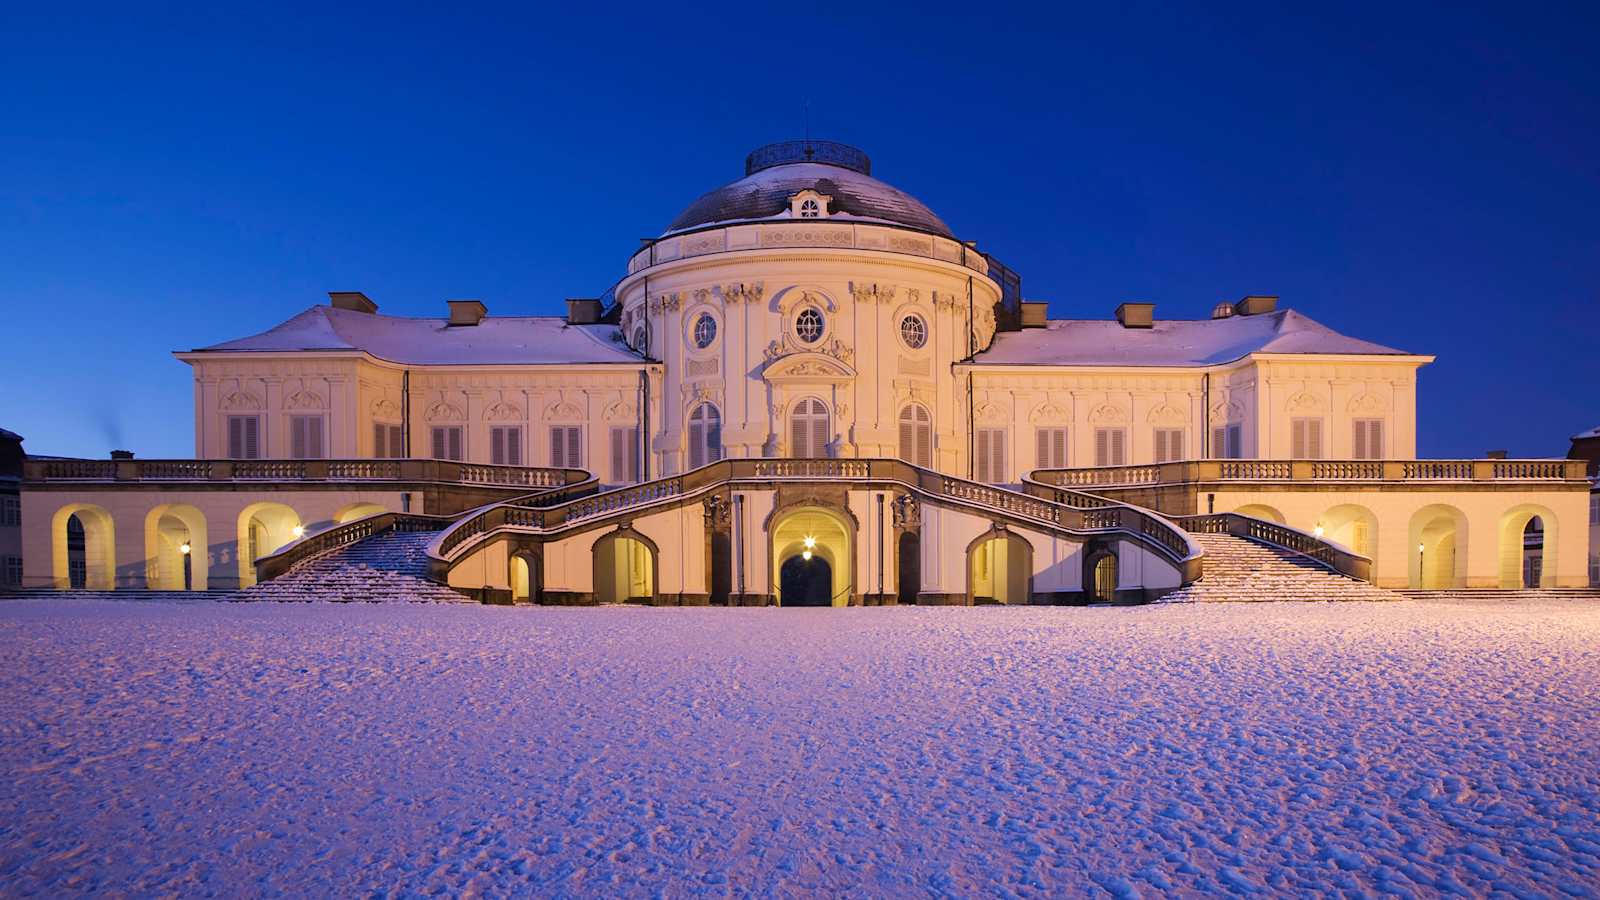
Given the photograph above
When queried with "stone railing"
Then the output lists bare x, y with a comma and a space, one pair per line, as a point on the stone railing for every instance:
819, 233
275, 564
1318, 470
1330, 554
286, 470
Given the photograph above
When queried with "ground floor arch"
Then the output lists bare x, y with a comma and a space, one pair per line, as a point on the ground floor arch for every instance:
807, 534
1437, 543
177, 548
999, 568
354, 511
264, 528
1352, 525
908, 569
1102, 572
83, 548
1515, 525
625, 568
1262, 511
525, 576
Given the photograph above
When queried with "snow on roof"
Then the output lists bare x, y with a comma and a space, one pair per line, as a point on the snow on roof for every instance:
496, 340
765, 195
1591, 433
9, 435
1103, 342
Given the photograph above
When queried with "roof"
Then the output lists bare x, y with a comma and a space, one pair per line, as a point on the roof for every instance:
1104, 342
9, 436
1591, 433
496, 340
765, 195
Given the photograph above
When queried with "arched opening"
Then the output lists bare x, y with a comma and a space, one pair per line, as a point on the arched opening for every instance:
356, 511
264, 528
624, 568
1437, 541
806, 580
1262, 511
1352, 526
999, 569
808, 429
1101, 571
1528, 543
721, 568
809, 533
705, 435
524, 577
83, 544
177, 553
916, 435
909, 568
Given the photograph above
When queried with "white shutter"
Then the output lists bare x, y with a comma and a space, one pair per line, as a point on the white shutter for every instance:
1359, 448
1314, 439
908, 438
924, 439
1219, 442
797, 427
1297, 443
1059, 445
1041, 454
1119, 449
297, 437
574, 447
1102, 447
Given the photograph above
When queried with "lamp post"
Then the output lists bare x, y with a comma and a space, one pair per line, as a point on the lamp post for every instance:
188, 573
1422, 574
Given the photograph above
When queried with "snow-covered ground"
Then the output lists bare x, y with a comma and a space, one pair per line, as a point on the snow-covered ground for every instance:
244, 749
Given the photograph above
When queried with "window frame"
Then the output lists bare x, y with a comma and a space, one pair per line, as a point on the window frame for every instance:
388, 440
811, 418
453, 434
918, 433
1047, 439
627, 436
507, 446
245, 441
10, 511
1168, 444
1115, 438
1306, 438
1367, 438
301, 433
704, 316
822, 325
989, 449
921, 330
569, 444
704, 434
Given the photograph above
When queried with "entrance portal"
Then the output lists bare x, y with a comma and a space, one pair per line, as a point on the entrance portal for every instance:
806, 582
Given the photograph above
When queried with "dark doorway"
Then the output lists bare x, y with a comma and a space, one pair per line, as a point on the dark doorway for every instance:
77, 556
910, 566
806, 582
721, 568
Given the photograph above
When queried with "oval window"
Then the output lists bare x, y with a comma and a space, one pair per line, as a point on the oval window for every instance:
808, 325
914, 331
705, 331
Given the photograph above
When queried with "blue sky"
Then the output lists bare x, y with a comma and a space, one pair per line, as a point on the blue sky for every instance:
1424, 178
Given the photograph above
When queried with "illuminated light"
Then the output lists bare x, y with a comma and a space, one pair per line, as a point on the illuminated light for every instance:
1319, 531
184, 548
1419, 548
806, 556
810, 542
298, 531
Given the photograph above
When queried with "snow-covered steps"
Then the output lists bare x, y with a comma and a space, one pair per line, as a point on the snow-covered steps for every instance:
1241, 570
1501, 595
387, 567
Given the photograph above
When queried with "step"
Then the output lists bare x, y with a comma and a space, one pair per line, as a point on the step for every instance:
1241, 570
384, 568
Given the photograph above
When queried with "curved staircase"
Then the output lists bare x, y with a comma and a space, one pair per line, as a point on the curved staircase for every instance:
385, 567
1241, 570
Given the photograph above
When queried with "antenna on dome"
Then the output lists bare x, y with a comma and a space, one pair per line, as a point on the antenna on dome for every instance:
807, 106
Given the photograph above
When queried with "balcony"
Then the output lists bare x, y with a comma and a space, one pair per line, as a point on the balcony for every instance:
262, 471
1322, 471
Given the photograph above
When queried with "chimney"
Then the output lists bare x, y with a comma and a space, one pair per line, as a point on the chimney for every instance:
355, 301
467, 312
1255, 305
1137, 315
122, 454
582, 311
1495, 454
1033, 313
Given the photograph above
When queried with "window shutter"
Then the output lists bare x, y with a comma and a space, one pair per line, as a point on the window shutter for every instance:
1219, 442
438, 443
1359, 450
497, 446
1375, 438
1042, 458
379, 448
235, 437
397, 442
1314, 438
1119, 441
908, 438
455, 444
1297, 449
574, 456
802, 445
297, 437
1161, 445
619, 454
697, 443
1175, 445
318, 446
925, 442
633, 454
1102, 447
1235, 442
1059, 445
713, 437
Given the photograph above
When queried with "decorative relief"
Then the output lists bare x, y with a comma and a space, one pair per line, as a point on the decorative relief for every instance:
808, 237
622, 410
666, 302
702, 243
923, 247
1108, 414
444, 411
716, 510
743, 293
921, 367
1305, 401
1368, 404
240, 400
695, 367
503, 411
1229, 411
565, 411
384, 408
913, 295
873, 293
907, 513
1167, 414
304, 399
835, 348
990, 414
1048, 414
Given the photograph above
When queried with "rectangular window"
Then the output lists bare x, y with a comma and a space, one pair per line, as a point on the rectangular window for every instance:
447, 442
1227, 442
13, 570
1594, 509
305, 437
388, 441
1368, 441
1050, 448
1110, 446
566, 447
10, 510
1307, 439
625, 454
991, 455
1169, 444
505, 445
244, 437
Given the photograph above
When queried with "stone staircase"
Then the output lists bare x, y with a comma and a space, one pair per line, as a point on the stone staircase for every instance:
385, 568
1504, 595
1242, 570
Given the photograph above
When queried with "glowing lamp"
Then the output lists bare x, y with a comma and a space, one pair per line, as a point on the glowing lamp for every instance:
810, 542
298, 531
184, 548
1419, 548
806, 556
1319, 531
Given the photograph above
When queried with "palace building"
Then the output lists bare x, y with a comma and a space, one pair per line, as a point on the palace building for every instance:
808, 390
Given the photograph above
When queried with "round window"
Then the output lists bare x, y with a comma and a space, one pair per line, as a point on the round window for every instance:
705, 330
914, 331
808, 325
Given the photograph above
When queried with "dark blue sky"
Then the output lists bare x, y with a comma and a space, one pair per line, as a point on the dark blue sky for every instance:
1428, 179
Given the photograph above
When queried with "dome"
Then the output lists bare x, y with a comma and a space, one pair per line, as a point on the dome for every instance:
776, 172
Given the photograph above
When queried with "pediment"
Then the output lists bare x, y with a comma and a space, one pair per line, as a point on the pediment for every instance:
808, 367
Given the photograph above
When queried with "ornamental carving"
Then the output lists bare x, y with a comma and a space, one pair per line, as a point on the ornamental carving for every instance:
1305, 401
666, 302
1230, 411
304, 399
565, 411
835, 348
1108, 414
444, 411
503, 411
705, 243
716, 511
1167, 414
807, 237
1048, 414
743, 293
240, 400
873, 293
990, 414
911, 245
619, 411
1368, 404
384, 408
907, 512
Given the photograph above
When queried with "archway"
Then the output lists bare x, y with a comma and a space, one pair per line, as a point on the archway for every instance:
909, 568
177, 552
721, 568
524, 576
1517, 526
1437, 542
83, 548
1262, 511
999, 568
624, 568
1101, 573
814, 532
806, 580
356, 511
1353, 526
264, 528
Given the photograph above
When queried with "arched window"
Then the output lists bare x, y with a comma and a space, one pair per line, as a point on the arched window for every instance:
913, 331
705, 436
705, 331
639, 340
808, 429
808, 325
810, 209
916, 435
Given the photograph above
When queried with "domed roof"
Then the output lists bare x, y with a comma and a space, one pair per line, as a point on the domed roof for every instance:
776, 172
